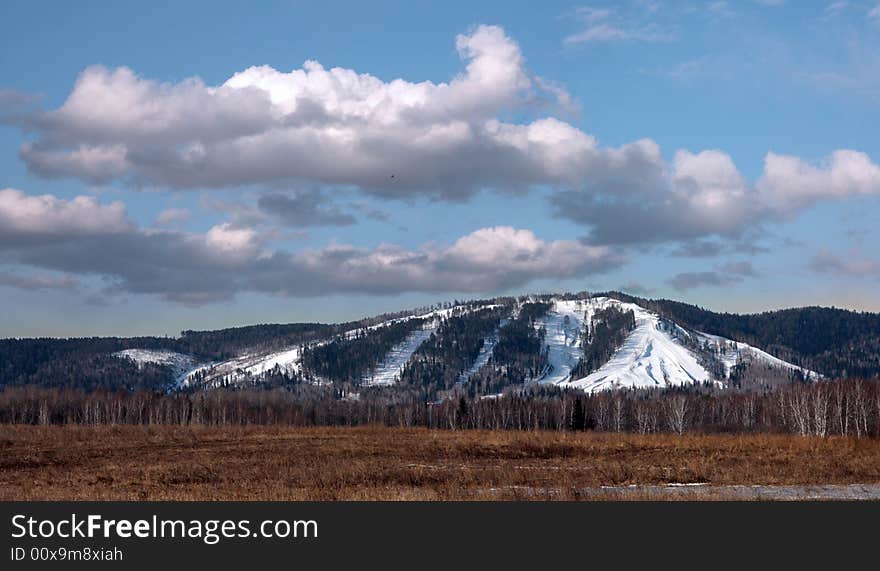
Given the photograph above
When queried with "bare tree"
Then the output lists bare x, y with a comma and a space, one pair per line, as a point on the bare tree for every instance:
676, 413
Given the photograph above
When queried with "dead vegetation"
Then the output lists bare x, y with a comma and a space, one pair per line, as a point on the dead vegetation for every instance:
378, 463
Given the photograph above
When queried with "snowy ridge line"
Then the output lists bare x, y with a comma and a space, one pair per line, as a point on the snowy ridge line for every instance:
443, 313
658, 353
251, 365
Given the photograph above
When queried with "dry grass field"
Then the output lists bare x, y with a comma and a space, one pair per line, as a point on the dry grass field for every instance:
375, 463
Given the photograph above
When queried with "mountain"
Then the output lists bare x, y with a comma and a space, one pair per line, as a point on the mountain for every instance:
655, 352
477, 348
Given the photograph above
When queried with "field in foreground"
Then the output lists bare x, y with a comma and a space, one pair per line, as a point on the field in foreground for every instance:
375, 463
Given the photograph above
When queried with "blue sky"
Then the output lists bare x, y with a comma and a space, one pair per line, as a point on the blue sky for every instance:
172, 165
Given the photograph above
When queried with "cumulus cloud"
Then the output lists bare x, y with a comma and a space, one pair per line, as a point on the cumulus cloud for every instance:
701, 195
332, 126
698, 195
727, 274
196, 268
231, 243
790, 183
489, 259
46, 217
337, 129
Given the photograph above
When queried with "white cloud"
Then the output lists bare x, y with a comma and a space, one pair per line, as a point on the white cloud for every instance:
196, 268
486, 260
47, 215
333, 126
790, 183
232, 242
704, 194
321, 129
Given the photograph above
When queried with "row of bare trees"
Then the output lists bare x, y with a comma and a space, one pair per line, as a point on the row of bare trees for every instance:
846, 407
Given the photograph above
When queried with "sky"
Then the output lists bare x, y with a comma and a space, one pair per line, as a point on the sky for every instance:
196, 165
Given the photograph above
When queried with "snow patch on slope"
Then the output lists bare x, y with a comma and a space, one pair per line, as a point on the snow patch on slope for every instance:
564, 324
251, 365
244, 367
180, 363
654, 355
388, 371
484, 355
730, 353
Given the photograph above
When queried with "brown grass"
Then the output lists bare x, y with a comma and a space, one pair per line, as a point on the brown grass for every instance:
374, 463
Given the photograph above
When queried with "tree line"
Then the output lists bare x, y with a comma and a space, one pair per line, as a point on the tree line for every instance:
824, 408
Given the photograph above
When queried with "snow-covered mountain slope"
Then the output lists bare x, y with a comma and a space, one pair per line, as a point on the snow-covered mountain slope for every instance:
243, 368
180, 363
656, 354
388, 371
731, 353
653, 355
564, 325
250, 366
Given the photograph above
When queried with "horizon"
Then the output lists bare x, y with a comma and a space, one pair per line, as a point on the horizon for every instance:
212, 165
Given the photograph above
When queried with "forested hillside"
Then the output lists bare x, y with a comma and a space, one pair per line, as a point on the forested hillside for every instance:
474, 348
